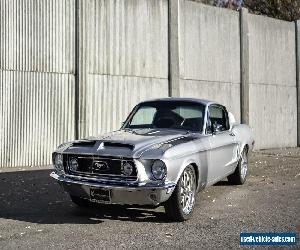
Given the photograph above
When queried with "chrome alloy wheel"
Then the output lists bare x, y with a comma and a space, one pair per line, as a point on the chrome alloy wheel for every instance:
187, 190
244, 164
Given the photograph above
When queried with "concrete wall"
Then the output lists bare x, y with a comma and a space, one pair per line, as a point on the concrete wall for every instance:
273, 108
127, 60
72, 68
210, 67
209, 42
36, 79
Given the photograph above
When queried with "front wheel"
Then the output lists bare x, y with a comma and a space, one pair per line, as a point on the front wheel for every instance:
181, 204
240, 174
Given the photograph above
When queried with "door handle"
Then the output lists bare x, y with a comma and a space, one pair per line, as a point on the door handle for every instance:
232, 134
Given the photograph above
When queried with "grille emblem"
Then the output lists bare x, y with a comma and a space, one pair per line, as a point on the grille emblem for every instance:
99, 166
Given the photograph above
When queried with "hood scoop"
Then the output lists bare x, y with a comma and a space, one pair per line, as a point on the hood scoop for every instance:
118, 145
86, 143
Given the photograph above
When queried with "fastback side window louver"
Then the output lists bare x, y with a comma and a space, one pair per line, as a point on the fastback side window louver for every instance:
119, 145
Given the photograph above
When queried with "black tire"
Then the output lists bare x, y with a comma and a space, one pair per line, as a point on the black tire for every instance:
238, 177
80, 202
174, 207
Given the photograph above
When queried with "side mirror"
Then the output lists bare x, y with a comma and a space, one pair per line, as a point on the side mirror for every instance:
213, 129
216, 128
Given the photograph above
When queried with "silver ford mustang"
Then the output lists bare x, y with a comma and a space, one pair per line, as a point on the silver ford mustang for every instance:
165, 152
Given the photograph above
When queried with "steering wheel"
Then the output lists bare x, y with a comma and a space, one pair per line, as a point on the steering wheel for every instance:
169, 122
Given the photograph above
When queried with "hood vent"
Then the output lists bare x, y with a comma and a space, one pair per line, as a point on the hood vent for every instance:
84, 143
118, 145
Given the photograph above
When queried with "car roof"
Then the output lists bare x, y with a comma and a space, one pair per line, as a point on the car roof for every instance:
179, 99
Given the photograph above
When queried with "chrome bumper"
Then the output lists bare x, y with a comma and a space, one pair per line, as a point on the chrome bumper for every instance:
124, 193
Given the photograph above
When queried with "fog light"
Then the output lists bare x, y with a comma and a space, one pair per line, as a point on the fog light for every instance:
73, 164
127, 168
153, 197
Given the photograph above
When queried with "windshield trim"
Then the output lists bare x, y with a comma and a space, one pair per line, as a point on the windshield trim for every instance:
157, 103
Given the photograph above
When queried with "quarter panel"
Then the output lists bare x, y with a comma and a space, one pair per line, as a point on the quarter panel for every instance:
244, 136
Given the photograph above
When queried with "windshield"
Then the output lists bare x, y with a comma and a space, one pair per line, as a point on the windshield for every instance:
176, 115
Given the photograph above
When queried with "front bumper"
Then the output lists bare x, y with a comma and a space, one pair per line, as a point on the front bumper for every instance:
119, 193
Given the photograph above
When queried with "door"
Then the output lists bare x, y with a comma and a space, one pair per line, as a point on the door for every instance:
223, 146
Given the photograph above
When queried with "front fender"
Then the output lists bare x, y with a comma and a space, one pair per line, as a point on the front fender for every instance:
197, 160
198, 169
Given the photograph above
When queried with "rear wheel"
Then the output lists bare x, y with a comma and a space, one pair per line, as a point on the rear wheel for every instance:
180, 206
240, 174
80, 201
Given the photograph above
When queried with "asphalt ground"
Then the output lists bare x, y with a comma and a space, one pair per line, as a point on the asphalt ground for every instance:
36, 214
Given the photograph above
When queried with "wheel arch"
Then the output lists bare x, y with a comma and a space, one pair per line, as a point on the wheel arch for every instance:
244, 146
197, 169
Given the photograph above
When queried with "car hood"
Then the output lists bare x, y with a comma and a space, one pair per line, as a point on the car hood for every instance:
128, 143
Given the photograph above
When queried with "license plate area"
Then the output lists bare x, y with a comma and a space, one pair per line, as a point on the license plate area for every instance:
100, 195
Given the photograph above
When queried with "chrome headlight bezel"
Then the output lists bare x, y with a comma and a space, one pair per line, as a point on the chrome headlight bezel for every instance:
58, 163
159, 170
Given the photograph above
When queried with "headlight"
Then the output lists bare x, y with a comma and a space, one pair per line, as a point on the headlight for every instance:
73, 164
159, 170
127, 168
58, 164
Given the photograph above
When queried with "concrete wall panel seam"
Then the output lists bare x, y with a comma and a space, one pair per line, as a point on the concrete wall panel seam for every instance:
297, 51
173, 27
244, 38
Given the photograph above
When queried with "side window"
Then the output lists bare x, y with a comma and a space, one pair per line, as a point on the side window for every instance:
217, 117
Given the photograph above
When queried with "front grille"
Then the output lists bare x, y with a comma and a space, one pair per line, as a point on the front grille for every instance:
104, 167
